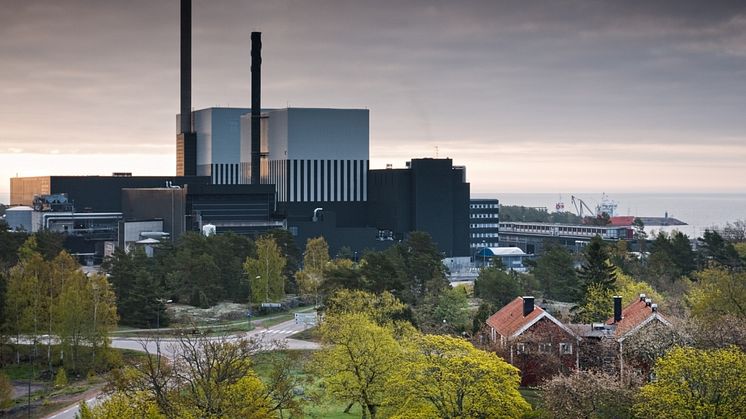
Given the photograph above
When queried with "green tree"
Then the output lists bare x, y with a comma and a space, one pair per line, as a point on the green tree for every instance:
286, 242
596, 268
138, 291
381, 308
640, 236
597, 305
447, 312
342, 273
448, 377
265, 272
484, 311
496, 286
717, 293
315, 260
556, 274
713, 248
6, 391
693, 383
356, 360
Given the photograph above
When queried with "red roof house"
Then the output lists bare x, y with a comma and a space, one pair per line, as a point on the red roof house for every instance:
530, 338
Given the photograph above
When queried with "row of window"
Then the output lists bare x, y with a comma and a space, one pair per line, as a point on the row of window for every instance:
477, 206
485, 225
483, 235
564, 348
495, 216
481, 245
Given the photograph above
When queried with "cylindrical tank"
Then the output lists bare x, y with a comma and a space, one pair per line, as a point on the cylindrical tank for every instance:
208, 230
19, 218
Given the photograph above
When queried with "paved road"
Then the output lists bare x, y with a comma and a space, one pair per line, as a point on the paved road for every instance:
271, 337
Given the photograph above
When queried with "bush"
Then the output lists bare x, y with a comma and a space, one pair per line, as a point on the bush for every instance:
61, 379
587, 394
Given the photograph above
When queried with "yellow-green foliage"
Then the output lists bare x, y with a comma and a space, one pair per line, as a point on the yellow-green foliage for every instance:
718, 292
357, 359
120, 406
6, 391
443, 376
630, 289
693, 383
60, 380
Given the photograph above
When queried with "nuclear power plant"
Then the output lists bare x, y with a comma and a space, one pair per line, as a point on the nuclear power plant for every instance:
250, 170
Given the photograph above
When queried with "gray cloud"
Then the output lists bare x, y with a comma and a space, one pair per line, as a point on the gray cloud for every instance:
102, 76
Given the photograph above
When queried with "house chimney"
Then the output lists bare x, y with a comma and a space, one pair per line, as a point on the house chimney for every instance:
528, 305
648, 302
642, 297
256, 105
654, 307
617, 308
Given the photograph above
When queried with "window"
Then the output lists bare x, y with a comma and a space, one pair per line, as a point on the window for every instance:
565, 348
545, 347
520, 348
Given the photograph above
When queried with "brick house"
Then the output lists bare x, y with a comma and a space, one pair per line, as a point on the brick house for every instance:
533, 340
604, 343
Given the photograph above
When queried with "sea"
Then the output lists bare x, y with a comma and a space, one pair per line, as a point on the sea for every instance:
700, 211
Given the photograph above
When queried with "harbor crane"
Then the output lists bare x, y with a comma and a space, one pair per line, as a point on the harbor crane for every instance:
579, 204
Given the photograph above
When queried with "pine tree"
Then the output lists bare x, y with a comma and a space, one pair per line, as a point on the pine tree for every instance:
597, 269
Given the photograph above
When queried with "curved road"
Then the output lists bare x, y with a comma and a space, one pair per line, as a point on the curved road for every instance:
273, 336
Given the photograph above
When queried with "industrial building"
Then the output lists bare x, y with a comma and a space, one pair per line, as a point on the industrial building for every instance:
484, 224
531, 237
248, 170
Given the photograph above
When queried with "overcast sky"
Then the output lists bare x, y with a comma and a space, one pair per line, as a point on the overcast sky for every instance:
542, 96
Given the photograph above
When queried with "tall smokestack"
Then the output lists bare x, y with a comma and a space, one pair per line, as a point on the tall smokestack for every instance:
186, 66
186, 140
256, 104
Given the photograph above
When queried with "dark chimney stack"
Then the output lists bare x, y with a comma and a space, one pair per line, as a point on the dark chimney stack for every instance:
186, 140
256, 105
528, 305
617, 309
186, 66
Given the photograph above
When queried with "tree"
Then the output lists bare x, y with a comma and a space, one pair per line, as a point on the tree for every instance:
556, 274
448, 377
381, 308
119, 405
630, 289
640, 236
447, 312
718, 292
734, 232
693, 383
596, 269
597, 305
496, 286
286, 243
484, 311
356, 360
208, 377
587, 394
342, 273
315, 260
265, 272
138, 291
6, 391
713, 248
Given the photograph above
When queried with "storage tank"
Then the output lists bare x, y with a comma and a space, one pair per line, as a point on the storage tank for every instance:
19, 218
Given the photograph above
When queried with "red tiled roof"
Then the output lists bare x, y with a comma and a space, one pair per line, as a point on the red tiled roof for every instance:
510, 318
632, 316
622, 220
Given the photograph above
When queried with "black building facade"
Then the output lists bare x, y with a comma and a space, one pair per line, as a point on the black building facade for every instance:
429, 195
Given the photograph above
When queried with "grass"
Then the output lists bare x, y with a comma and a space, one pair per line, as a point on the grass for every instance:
532, 396
309, 334
313, 409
